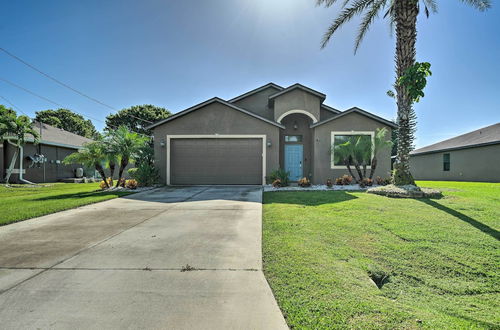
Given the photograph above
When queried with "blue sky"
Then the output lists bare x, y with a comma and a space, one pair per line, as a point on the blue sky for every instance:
178, 53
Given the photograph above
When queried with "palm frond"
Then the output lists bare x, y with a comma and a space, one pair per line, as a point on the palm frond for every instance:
368, 19
431, 5
482, 5
345, 16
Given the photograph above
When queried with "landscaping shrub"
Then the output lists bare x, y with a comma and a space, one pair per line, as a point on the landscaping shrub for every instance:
145, 174
366, 182
282, 175
131, 184
277, 183
382, 182
329, 183
304, 182
344, 180
102, 184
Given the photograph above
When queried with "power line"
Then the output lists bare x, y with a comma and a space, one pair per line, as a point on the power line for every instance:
13, 105
65, 85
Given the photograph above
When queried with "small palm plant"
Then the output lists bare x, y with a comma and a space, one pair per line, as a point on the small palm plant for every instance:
15, 129
127, 145
92, 155
360, 152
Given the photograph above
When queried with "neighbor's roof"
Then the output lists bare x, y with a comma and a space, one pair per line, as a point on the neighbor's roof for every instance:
210, 101
51, 135
484, 136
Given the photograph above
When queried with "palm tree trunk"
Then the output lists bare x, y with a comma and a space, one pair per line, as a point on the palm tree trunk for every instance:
350, 172
374, 166
405, 12
112, 166
100, 169
358, 169
123, 164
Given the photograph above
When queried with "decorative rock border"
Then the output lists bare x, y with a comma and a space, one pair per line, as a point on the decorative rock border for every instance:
320, 187
408, 191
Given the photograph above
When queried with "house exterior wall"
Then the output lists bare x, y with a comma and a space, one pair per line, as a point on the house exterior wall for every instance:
53, 171
303, 122
325, 114
322, 145
297, 100
215, 118
472, 164
259, 103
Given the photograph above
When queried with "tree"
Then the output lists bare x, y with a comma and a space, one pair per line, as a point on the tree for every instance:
93, 154
68, 121
15, 129
136, 118
126, 145
361, 152
402, 15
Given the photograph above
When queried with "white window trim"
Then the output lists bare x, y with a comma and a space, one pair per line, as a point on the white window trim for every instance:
332, 139
307, 113
219, 136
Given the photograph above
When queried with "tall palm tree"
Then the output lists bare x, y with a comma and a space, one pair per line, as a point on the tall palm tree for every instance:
92, 155
15, 129
402, 14
126, 144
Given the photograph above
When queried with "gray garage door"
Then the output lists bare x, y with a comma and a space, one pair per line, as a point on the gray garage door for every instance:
216, 161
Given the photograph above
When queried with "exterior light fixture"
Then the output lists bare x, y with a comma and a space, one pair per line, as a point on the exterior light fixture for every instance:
162, 143
295, 126
269, 143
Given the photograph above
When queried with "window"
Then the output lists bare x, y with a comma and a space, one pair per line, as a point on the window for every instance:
362, 139
293, 138
446, 162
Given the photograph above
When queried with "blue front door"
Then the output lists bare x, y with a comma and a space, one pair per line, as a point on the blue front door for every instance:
293, 160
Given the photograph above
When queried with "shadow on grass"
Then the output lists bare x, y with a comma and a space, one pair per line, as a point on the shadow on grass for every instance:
307, 198
83, 195
478, 225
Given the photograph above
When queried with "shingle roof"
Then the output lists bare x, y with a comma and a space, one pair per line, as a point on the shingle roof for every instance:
51, 135
483, 136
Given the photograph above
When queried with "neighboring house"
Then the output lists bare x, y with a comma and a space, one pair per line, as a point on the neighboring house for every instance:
242, 140
55, 144
473, 156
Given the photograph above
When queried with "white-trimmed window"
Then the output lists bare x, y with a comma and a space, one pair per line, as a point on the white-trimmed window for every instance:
341, 137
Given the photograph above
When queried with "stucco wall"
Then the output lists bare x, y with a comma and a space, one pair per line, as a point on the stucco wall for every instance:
259, 103
297, 100
474, 164
216, 118
322, 146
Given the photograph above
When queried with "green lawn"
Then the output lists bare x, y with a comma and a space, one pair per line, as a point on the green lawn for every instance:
20, 203
442, 256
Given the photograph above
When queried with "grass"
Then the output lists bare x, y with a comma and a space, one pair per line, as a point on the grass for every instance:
21, 202
437, 262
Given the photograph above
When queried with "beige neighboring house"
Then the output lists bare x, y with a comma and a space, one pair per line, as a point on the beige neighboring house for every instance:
474, 156
242, 140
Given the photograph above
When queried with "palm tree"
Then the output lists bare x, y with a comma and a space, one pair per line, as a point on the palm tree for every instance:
92, 155
403, 15
112, 158
362, 152
15, 129
126, 144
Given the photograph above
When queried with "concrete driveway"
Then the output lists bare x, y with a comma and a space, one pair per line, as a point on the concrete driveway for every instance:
122, 264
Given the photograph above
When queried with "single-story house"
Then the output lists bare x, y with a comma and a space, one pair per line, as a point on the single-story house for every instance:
474, 156
43, 162
242, 140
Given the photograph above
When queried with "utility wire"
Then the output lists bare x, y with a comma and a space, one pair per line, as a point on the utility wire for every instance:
66, 85
13, 105
30, 92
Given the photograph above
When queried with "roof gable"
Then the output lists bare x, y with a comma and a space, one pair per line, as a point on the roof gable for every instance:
298, 86
480, 137
359, 111
210, 101
256, 90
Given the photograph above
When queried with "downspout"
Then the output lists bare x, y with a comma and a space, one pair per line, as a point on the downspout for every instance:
21, 156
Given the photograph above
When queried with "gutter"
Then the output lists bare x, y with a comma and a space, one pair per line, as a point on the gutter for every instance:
21, 157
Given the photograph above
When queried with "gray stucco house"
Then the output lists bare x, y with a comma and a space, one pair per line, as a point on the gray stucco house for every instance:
474, 156
55, 144
242, 140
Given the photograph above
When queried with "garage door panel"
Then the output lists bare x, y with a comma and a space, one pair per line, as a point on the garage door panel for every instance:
216, 161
